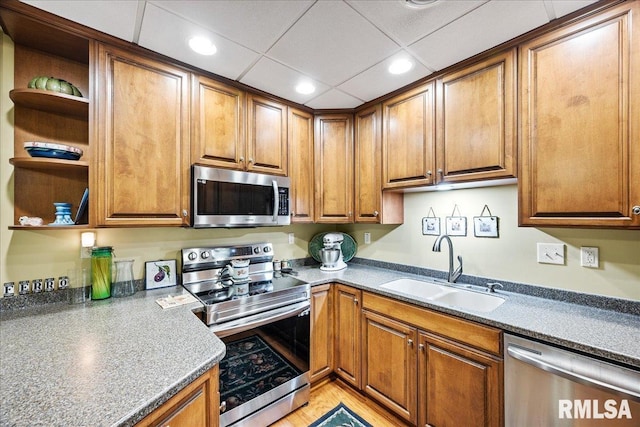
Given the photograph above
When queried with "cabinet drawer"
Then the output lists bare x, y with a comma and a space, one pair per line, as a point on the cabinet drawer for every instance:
470, 333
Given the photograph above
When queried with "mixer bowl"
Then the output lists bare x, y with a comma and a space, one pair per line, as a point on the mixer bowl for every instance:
329, 256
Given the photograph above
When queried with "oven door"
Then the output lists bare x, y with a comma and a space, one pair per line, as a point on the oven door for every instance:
265, 372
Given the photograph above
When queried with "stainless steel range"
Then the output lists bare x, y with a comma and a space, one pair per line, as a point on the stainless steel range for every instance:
263, 318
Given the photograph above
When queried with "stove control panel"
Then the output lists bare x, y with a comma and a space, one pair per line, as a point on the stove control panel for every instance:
203, 258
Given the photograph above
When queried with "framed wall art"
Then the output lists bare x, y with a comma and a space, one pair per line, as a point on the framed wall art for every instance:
485, 225
160, 274
431, 224
456, 225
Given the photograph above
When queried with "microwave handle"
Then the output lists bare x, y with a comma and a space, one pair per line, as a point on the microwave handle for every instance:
276, 200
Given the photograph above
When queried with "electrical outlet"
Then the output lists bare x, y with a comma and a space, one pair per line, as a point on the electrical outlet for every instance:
367, 238
551, 253
589, 257
292, 238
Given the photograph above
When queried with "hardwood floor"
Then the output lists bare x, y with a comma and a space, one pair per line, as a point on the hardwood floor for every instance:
327, 396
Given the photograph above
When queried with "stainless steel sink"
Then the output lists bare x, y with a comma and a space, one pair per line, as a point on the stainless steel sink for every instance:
445, 294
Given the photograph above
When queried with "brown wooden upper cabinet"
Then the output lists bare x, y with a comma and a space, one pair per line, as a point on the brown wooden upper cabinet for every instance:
142, 153
218, 124
301, 193
372, 205
408, 136
235, 130
334, 168
476, 121
580, 123
266, 136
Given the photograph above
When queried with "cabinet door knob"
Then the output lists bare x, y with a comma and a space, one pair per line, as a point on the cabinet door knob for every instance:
636, 210
223, 406
250, 160
410, 343
421, 347
293, 213
185, 213
241, 158
440, 172
429, 173
355, 301
376, 213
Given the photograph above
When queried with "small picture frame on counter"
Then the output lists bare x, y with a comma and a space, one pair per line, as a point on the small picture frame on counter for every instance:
160, 274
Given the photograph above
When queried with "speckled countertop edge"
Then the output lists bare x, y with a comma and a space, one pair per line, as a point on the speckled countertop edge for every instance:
598, 332
108, 362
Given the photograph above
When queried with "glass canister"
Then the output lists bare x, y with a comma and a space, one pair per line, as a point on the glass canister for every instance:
101, 272
124, 284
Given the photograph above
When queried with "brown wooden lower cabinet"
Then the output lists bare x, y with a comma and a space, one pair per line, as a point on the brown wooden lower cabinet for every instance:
389, 363
458, 386
321, 332
430, 368
347, 333
197, 405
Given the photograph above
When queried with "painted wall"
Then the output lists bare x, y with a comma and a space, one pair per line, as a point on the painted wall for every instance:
512, 256
27, 255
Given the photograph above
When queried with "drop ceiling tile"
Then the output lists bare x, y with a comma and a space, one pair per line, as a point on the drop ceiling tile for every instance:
116, 18
334, 99
279, 80
407, 24
377, 81
489, 25
332, 43
230, 60
255, 24
564, 7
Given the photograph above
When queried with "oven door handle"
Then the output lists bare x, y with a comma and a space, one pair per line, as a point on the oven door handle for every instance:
251, 322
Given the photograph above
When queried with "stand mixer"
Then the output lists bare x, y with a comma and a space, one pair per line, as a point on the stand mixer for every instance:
331, 253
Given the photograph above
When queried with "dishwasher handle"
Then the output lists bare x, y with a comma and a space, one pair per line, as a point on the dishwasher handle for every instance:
535, 359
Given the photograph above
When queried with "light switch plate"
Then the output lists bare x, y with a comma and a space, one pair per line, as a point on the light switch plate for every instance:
367, 238
551, 253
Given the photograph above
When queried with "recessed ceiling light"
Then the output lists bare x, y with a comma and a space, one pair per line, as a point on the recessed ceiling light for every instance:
202, 45
305, 88
419, 3
400, 66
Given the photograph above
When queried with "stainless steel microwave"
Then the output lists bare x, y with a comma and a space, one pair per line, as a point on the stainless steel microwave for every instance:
228, 198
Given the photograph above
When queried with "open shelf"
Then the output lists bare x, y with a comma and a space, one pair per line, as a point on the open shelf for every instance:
51, 227
52, 102
46, 163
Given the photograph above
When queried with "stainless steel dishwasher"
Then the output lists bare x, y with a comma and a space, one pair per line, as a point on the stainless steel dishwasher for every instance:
550, 387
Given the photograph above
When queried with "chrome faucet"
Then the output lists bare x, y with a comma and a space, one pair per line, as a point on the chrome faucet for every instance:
453, 275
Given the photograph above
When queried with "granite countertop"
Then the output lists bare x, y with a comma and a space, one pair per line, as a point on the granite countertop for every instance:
598, 332
105, 363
